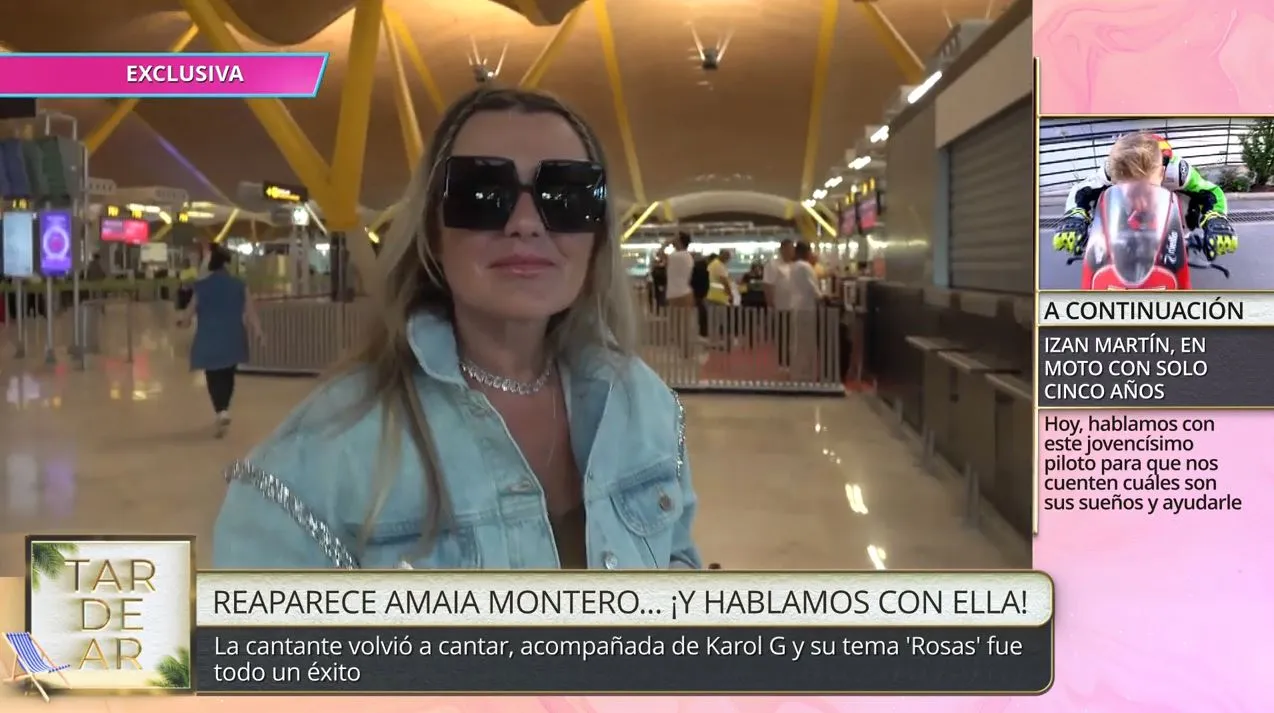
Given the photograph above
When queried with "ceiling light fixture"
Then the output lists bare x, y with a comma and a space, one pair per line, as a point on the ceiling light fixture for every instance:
710, 56
482, 71
920, 91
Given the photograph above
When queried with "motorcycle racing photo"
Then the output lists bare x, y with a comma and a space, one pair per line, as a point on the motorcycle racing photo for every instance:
1149, 204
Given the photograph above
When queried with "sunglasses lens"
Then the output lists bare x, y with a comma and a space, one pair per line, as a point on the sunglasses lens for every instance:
479, 193
571, 196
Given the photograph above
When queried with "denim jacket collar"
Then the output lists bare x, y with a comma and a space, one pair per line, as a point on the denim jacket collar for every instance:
433, 341
587, 379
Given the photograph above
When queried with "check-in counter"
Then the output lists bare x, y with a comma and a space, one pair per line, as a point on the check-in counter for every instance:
972, 448
937, 392
1011, 486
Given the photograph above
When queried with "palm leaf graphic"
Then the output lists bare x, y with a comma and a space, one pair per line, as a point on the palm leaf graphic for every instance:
174, 671
48, 559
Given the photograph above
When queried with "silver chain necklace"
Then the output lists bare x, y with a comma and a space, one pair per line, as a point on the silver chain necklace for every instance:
505, 384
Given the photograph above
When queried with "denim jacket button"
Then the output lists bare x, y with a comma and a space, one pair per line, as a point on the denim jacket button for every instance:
609, 560
665, 502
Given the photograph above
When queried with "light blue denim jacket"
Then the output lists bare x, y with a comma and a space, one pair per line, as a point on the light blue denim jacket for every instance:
300, 499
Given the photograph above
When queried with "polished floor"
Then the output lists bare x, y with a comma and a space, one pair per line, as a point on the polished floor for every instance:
126, 446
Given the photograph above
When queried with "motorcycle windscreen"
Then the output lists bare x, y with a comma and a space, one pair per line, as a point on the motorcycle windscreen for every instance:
1136, 222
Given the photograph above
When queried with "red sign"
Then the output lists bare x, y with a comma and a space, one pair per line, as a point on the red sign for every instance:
136, 232
130, 231
112, 230
867, 214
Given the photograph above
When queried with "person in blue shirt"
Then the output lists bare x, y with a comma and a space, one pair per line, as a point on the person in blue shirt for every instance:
495, 415
1148, 157
223, 313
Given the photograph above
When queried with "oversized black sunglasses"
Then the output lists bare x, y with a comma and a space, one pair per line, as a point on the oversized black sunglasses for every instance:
480, 193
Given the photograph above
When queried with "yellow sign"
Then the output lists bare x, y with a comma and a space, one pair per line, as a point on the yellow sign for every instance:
284, 194
19, 204
113, 211
183, 217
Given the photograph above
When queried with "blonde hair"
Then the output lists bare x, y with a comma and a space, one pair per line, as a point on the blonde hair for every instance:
411, 280
1135, 157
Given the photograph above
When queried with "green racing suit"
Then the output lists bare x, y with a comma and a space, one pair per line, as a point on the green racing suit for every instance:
1179, 176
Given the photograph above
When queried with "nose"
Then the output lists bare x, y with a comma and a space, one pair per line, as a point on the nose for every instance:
525, 221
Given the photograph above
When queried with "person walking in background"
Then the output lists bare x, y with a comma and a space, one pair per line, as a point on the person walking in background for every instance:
223, 312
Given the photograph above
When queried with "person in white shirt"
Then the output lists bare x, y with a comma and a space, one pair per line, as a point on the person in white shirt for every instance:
804, 302
680, 264
681, 300
804, 285
778, 298
776, 272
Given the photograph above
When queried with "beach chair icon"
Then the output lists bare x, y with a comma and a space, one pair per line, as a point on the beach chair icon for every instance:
31, 661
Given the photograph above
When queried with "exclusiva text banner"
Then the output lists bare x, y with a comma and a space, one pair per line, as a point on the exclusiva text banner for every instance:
612, 632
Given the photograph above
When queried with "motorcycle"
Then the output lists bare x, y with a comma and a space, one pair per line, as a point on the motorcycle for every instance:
1138, 241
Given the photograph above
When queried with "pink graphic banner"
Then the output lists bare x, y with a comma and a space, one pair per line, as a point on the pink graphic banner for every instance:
173, 75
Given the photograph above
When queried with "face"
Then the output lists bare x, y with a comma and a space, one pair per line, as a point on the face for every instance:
521, 272
787, 251
1157, 178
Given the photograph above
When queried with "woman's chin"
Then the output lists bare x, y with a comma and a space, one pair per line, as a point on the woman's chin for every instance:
524, 310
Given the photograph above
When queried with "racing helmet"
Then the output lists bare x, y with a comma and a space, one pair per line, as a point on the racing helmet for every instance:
1164, 147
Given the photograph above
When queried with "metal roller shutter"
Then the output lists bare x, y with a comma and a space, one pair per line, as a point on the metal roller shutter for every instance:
992, 204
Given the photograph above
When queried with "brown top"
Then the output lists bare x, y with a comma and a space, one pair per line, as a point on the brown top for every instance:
570, 534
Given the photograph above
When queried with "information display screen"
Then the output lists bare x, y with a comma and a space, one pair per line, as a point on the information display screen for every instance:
125, 230
19, 244
136, 232
55, 243
112, 230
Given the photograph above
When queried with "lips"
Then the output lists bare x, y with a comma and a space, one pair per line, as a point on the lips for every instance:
522, 262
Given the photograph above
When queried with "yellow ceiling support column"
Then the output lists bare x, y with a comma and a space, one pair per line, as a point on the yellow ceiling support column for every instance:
417, 60
384, 217
535, 73
305, 160
641, 220
225, 229
913, 70
341, 211
103, 131
817, 218
408, 123
669, 216
822, 67
611, 57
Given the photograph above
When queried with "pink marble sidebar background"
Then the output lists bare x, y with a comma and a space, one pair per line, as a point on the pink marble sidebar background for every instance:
1155, 56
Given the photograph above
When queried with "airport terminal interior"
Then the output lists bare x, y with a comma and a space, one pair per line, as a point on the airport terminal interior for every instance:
894, 137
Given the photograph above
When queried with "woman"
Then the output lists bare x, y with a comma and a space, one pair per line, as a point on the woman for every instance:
222, 310
495, 415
